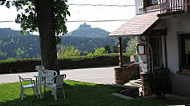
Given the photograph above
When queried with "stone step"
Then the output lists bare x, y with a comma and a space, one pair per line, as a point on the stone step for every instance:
136, 83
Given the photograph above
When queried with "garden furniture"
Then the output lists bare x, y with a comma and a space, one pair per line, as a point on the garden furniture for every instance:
58, 83
41, 78
23, 87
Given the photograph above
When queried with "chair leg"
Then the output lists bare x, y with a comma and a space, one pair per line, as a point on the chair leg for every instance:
22, 94
35, 91
36, 87
44, 89
52, 91
55, 93
63, 92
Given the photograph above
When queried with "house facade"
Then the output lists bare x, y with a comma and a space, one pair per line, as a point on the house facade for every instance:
163, 29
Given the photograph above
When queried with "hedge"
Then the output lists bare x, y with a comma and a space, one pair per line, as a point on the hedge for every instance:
28, 65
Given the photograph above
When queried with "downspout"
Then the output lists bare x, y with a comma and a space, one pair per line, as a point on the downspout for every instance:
151, 51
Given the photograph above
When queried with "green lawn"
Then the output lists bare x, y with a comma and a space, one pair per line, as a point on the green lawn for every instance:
77, 94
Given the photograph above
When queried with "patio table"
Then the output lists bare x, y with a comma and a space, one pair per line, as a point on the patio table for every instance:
39, 79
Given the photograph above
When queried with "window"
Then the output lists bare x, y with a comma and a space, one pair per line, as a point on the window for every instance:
185, 51
151, 2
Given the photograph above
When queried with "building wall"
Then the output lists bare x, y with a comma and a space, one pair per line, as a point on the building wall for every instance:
175, 26
172, 44
180, 84
139, 7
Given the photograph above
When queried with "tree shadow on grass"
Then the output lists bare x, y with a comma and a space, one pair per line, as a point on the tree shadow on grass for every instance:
80, 94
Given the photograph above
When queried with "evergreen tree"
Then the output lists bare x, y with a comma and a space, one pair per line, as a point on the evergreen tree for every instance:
108, 49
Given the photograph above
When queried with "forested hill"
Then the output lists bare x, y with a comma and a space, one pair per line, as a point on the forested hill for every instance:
13, 44
86, 30
86, 43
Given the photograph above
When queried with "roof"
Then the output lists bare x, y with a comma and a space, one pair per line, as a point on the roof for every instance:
136, 26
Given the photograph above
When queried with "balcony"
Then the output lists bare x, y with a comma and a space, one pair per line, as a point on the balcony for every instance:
173, 7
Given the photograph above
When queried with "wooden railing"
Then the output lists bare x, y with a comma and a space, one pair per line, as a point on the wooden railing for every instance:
167, 6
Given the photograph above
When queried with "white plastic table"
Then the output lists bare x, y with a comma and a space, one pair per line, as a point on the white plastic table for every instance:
39, 79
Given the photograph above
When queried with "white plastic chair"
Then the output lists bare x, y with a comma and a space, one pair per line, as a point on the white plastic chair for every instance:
58, 83
51, 74
23, 87
42, 71
46, 80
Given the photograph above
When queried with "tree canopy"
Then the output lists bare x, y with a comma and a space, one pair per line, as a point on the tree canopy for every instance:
48, 17
27, 15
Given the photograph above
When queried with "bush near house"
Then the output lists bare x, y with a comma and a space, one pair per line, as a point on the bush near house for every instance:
28, 65
160, 82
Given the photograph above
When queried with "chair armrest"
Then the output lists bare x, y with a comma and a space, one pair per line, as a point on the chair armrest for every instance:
27, 79
33, 82
64, 75
54, 78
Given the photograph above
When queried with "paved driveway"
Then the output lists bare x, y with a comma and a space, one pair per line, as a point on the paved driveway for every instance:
103, 75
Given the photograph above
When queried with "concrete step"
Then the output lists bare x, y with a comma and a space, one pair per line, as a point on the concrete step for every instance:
136, 83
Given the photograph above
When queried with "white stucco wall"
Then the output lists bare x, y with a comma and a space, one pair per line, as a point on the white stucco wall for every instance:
139, 10
175, 26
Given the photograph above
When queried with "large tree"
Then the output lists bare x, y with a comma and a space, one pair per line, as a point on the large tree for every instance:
48, 17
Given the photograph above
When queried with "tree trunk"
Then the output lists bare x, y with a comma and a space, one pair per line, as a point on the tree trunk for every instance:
45, 16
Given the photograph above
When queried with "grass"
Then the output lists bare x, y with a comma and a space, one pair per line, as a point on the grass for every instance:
77, 94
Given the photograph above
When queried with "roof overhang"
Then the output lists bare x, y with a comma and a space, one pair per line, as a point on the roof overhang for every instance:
136, 26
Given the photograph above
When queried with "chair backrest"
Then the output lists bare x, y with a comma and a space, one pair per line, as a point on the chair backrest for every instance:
52, 73
40, 69
59, 80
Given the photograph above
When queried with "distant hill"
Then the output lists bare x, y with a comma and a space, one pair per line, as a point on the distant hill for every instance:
85, 30
87, 43
13, 44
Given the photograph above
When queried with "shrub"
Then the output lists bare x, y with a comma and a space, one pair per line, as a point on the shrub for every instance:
100, 51
67, 51
160, 82
28, 64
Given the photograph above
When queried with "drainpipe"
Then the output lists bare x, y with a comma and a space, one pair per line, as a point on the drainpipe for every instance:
151, 51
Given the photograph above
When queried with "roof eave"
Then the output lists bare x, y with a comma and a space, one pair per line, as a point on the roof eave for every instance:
124, 35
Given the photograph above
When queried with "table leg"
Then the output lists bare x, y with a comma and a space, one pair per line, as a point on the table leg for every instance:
37, 87
41, 88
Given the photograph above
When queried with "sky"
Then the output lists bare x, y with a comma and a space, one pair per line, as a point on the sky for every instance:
84, 13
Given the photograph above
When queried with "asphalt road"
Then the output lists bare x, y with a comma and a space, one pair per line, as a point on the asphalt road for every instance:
103, 75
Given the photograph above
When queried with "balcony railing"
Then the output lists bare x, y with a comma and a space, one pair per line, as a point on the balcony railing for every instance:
169, 6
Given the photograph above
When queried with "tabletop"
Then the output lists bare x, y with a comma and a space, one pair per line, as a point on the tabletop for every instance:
41, 76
